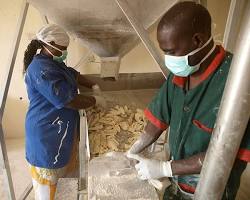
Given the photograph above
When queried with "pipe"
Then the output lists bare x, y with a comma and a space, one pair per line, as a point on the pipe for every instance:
142, 33
231, 123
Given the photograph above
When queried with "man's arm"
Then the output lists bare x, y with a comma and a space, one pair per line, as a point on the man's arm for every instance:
150, 134
191, 165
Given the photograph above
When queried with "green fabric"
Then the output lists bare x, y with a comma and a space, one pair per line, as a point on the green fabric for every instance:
179, 108
173, 193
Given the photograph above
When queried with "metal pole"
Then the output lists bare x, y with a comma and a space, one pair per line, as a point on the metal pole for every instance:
234, 19
3, 96
83, 151
142, 33
231, 123
84, 156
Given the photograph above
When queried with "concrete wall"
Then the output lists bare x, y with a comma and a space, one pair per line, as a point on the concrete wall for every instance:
136, 61
218, 11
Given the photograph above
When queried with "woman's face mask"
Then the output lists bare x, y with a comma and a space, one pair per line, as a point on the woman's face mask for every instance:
59, 59
179, 66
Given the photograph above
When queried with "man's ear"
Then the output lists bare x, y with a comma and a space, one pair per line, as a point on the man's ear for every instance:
199, 39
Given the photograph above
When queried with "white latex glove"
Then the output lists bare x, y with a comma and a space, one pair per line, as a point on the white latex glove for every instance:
96, 90
151, 169
100, 101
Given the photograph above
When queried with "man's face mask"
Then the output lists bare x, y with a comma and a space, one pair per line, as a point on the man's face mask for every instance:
179, 66
59, 59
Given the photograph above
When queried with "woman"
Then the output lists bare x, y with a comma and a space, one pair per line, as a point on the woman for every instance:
52, 117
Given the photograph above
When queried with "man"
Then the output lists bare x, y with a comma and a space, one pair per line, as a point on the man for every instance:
187, 102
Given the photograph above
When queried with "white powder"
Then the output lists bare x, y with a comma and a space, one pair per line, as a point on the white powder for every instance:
112, 178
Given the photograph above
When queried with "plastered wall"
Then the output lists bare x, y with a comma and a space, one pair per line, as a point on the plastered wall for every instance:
136, 61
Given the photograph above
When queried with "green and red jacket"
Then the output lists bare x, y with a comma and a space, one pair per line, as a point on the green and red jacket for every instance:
191, 114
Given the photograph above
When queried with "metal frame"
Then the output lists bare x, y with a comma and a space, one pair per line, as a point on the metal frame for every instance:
84, 153
26, 192
233, 23
3, 97
231, 123
84, 157
143, 35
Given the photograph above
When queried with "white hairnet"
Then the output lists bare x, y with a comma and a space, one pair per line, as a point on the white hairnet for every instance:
53, 32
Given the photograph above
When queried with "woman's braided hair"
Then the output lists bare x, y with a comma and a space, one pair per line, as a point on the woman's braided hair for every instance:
30, 52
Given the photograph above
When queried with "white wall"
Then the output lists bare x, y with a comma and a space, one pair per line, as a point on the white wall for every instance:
136, 61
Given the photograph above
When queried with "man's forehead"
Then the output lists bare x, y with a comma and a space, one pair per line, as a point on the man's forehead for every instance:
174, 32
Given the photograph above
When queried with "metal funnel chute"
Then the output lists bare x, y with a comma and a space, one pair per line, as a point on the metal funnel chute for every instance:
100, 25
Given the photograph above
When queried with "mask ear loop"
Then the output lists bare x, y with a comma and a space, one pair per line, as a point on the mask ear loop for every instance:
48, 51
203, 46
50, 45
208, 54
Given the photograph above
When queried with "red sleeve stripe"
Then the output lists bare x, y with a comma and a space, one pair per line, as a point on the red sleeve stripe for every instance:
159, 124
186, 188
244, 154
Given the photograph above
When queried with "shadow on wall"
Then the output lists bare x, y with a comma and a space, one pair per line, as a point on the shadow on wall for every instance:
14, 118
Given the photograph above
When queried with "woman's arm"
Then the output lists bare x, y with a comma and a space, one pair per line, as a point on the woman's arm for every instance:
82, 80
81, 102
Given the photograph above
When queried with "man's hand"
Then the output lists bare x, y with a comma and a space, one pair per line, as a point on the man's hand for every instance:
151, 169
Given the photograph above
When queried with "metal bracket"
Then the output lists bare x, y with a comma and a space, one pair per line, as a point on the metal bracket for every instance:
142, 33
